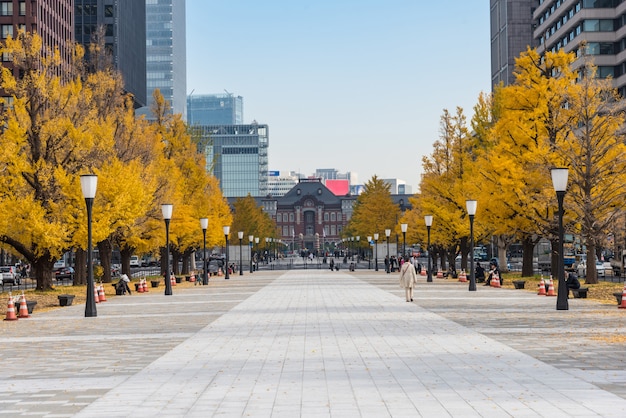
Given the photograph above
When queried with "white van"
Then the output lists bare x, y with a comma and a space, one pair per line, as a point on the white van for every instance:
135, 261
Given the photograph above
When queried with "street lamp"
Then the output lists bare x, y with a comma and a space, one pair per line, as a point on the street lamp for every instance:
251, 239
256, 242
369, 257
166, 209
240, 236
404, 228
387, 234
428, 219
358, 247
351, 244
376, 251
559, 181
89, 184
471, 211
226, 230
204, 224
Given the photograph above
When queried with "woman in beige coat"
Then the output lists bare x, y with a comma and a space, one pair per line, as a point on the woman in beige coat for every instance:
408, 278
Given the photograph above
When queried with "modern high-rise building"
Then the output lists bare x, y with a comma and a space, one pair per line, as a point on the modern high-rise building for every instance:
124, 27
214, 109
237, 157
589, 28
166, 54
50, 19
511, 34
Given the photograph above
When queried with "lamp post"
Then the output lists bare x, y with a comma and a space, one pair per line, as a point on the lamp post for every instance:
559, 181
471, 211
256, 243
358, 248
428, 219
89, 184
376, 251
166, 209
251, 239
404, 227
388, 266
369, 258
226, 230
352, 248
240, 236
204, 224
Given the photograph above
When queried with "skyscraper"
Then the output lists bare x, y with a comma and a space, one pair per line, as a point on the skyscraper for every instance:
237, 157
124, 27
214, 109
590, 29
50, 19
511, 34
166, 54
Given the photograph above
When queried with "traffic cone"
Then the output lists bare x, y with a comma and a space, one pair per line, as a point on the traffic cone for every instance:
101, 296
495, 280
192, 278
439, 274
11, 310
145, 286
542, 287
462, 276
173, 280
23, 307
96, 298
140, 286
623, 304
551, 291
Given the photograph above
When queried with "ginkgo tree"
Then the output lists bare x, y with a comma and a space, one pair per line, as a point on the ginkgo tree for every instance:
54, 132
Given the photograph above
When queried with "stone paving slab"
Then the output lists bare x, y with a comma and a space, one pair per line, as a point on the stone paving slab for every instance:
318, 343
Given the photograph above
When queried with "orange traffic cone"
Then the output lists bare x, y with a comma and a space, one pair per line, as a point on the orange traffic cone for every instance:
101, 296
495, 280
623, 304
192, 278
145, 285
551, 291
542, 287
23, 307
140, 286
439, 274
173, 280
11, 310
462, 276
96, 298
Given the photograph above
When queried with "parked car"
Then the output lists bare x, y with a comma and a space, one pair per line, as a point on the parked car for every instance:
135, 261
582, 269
64, 273
10, 275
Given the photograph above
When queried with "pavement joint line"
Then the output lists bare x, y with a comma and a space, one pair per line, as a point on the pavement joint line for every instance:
318, 343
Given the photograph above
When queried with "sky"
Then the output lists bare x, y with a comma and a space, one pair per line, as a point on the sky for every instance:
354, 85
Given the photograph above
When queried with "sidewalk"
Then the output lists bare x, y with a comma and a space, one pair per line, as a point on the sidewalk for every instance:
318, 343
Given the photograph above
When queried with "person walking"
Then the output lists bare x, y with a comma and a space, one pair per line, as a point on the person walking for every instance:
408, 278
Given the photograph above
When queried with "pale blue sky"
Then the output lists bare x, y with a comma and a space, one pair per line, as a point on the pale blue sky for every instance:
356, 85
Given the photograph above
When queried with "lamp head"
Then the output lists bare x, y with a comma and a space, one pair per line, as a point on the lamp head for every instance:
387, 232
428, 219
376, 237
166, 209
471, 207
404, 227
204, 223
559, 178
89, 184
226, 229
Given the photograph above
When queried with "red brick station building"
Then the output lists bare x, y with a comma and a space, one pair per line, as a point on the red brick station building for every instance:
311, 217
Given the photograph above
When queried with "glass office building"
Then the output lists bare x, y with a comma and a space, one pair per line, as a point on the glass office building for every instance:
214, 109
124, 27
237, 157
166, 67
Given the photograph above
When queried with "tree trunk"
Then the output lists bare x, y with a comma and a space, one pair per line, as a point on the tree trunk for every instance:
503, 244
125, 254
42, 268
80, 267
106, 251
528, 247
175, 257
592, 275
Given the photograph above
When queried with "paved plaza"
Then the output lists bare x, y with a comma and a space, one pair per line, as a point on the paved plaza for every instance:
316, 343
